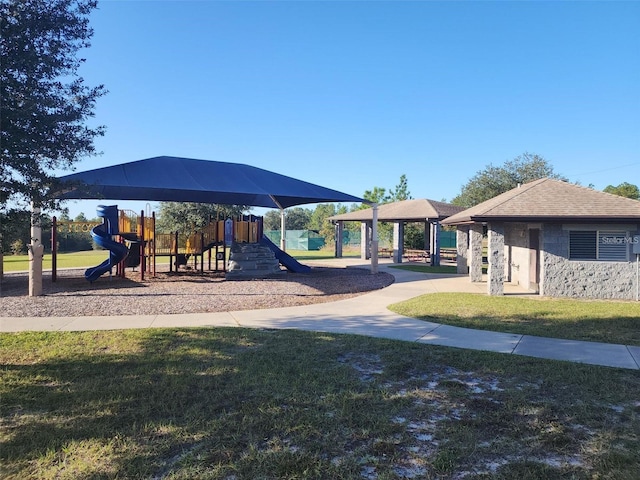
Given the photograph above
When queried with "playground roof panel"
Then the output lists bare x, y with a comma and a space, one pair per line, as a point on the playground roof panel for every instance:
175, 179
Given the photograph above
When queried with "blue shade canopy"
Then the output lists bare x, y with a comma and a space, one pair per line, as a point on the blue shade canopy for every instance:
175, 179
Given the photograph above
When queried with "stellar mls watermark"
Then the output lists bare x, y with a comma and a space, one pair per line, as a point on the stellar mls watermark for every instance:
620, 240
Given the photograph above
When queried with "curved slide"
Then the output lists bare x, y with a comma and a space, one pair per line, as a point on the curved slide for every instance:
284, 258
102, 236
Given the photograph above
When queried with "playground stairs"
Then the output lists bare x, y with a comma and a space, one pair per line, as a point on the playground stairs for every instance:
252, 260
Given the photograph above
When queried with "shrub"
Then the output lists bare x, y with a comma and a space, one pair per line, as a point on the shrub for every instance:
17, 247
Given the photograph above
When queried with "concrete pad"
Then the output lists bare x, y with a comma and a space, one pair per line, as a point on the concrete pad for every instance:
372, 323
635, 354
449, 336
218, 319
122, 322
593, 353
40, 324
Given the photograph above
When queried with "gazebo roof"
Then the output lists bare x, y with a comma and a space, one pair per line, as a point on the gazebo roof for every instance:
547, 200
415, 210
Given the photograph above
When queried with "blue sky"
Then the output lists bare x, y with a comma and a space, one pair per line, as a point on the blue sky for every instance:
351, 95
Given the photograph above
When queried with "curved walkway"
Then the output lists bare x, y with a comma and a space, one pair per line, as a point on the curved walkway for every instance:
363, 315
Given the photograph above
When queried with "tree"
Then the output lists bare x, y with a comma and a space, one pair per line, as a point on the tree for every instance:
401, 192
15, 226
493, 181
320, 223
189, 217
624, 190
45, 104
297, 218
271, 220
377, 195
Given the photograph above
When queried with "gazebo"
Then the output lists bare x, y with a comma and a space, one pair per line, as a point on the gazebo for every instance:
428, 212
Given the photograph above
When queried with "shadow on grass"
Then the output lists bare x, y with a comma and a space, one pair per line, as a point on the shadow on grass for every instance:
220, 403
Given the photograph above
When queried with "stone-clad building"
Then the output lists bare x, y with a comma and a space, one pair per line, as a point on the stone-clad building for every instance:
553, 238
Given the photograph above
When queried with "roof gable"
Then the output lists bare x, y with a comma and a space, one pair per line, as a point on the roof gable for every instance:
417, 210
550, 199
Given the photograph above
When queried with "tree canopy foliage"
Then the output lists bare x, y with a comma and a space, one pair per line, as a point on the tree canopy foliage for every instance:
45, 103
380, 195
189, 217
492, 181
401, 192
624, 190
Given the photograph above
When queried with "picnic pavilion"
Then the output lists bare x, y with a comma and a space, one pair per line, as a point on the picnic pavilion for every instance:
428, 212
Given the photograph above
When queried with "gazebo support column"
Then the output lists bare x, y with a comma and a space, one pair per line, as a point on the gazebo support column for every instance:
338, 233
475, 252
495, 253
427, 235
398, 241
462, 249
374, 239
434, 251
365, 240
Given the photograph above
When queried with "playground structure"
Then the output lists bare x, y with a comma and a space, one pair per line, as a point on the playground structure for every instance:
132, 241
103, 236
123, 233
213, 240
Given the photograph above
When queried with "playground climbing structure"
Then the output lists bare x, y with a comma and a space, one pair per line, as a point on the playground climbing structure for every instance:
132, 241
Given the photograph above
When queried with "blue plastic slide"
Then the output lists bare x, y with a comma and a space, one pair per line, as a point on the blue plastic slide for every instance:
102, 235
284, 258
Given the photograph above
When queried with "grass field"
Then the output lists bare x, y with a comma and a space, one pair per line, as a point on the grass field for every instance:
250, 404
427, 268
18, 263
601, 321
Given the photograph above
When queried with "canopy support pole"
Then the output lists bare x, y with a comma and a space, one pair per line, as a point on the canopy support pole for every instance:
374, 239
283, 230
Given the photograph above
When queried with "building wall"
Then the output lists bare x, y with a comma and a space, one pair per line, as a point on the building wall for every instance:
561, 277
517, 254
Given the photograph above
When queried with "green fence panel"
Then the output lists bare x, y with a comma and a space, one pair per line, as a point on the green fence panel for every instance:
297, 239
447, 239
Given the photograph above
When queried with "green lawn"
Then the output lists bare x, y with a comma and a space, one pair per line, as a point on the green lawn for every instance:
427, 268
602, 321
323, 254
16, 263
430, 269
258, 404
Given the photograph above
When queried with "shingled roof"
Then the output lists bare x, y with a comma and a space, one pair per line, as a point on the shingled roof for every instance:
547, 200
416, 210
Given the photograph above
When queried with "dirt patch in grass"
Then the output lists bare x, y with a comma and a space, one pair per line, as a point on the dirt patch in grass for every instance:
245, 404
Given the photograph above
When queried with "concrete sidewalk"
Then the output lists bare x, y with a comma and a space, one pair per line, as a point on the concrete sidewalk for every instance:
363, 315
